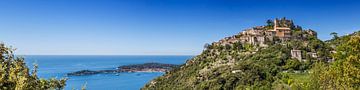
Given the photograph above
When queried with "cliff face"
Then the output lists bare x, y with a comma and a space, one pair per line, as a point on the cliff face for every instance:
256, 58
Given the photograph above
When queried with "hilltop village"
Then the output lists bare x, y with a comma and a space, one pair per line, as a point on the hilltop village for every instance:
258, 58
276, 31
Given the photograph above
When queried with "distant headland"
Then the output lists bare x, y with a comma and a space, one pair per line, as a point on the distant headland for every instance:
146, 67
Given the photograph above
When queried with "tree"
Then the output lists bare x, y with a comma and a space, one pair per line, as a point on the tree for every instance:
345, 72
207, 46
349, 56
334, 34
15, 75
270, 22
292, 64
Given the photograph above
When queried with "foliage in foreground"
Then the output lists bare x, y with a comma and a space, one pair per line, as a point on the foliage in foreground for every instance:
344, 73
15, 75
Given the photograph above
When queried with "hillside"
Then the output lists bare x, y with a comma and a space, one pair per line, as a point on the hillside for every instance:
278, 55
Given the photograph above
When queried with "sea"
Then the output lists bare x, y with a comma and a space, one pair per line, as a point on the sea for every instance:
57, 66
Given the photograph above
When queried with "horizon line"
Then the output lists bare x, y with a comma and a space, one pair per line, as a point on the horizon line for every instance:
101, 55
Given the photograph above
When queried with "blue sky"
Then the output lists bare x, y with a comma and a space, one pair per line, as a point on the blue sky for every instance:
156, 27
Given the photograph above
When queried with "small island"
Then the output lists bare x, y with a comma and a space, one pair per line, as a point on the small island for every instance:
146, 67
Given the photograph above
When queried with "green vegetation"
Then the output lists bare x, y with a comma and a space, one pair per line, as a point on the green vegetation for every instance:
15, 75
344, 73
240, 66
334, 34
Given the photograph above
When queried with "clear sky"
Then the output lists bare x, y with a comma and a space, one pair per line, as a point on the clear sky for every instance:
156, 27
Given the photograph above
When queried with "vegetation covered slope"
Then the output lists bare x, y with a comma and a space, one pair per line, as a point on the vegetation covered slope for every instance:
243, 66
344, 72
15, 75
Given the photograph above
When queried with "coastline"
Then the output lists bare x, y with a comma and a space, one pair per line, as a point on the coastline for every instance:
146, 67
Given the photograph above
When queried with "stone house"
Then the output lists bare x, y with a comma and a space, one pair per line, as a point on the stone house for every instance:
254, 36
282, 32
259, 35
296, 54
312, 54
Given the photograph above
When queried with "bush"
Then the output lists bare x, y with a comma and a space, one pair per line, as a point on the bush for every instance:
15, 75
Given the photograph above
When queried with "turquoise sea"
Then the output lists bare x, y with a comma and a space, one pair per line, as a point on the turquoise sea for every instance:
58, 65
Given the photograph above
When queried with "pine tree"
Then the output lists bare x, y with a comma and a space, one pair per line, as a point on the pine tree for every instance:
15, 75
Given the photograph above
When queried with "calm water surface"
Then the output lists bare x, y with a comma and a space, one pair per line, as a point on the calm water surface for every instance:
57, 66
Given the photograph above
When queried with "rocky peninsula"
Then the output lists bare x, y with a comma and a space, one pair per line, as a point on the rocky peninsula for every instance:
146, 67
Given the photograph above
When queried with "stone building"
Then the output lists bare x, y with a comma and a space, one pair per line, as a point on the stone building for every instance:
312, 54
254, 36
311, 32
296, 54
260, 34
281, 32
